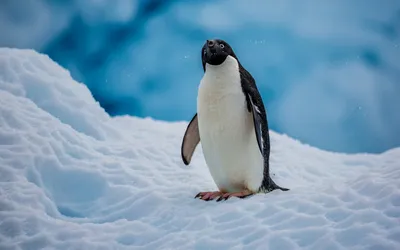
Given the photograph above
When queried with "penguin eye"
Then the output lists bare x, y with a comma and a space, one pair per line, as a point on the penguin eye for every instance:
222, 46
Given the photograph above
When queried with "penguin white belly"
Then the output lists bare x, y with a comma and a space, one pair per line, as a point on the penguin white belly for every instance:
226, 130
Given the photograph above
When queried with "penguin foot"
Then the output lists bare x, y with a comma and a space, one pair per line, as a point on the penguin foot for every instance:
208, 196
241, 195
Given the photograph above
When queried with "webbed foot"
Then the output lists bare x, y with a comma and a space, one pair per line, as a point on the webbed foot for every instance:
208, 196
241, 195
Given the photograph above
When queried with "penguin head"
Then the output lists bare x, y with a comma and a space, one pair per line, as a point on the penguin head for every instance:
215, 52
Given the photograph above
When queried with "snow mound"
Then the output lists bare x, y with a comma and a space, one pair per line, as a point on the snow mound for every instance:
71, 177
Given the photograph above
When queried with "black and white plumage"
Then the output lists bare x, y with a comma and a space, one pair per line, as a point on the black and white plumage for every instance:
231, 124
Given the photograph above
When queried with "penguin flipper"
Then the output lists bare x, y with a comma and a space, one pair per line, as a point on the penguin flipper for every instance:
190, 140
257, 120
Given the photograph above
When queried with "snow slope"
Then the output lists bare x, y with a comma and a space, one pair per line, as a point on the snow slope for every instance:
71, 177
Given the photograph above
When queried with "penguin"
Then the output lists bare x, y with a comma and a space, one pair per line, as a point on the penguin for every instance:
231, 123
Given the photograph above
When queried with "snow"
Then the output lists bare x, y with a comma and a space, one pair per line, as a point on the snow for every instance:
72, 177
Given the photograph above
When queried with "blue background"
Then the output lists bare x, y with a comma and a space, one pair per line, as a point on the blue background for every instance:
328, 71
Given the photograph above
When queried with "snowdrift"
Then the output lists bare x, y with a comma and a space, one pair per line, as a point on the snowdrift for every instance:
72, 177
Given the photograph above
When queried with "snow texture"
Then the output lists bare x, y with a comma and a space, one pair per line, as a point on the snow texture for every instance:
72, 177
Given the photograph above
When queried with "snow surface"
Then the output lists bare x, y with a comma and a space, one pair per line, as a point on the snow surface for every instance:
71, 177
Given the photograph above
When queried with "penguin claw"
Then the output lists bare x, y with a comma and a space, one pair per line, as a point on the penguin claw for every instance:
207, 196
222, 198
198, 195
240, 195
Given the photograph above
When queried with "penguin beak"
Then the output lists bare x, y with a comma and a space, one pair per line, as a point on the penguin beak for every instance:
212, 48
211, 44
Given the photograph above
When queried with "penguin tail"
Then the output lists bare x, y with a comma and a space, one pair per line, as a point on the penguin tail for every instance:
271, 186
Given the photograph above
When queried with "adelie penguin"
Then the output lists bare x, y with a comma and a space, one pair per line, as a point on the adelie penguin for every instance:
231, 123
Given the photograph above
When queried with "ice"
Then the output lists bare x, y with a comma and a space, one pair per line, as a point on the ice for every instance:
327, 70
72, 177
